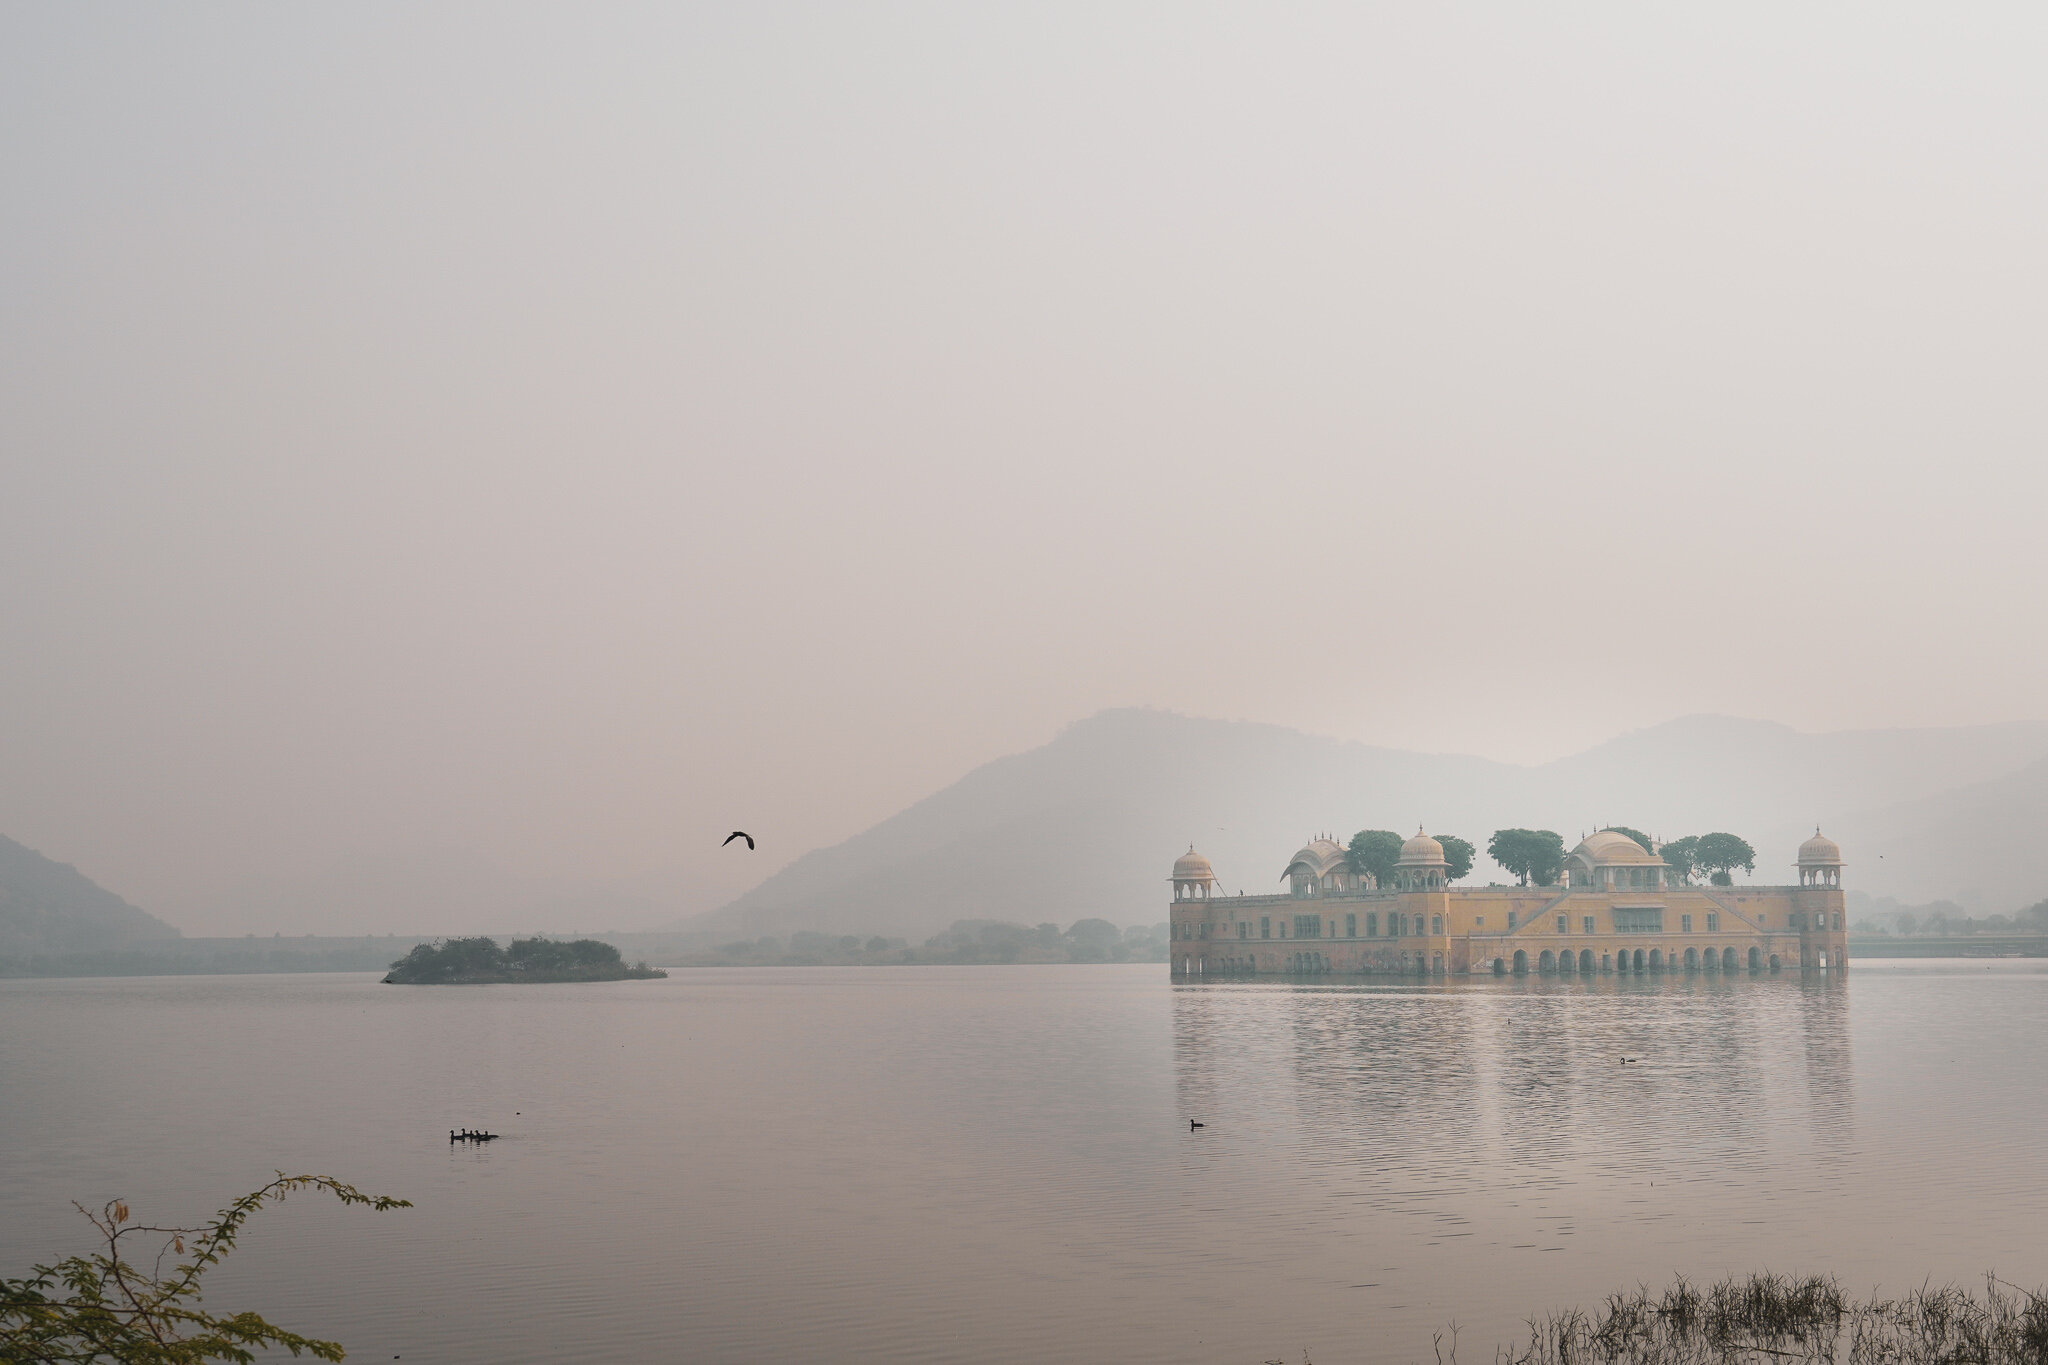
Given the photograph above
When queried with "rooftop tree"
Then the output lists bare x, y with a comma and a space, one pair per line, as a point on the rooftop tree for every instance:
1373, 853
1649, 844
1721, 854
1682, 857
1458, 855
1533, 855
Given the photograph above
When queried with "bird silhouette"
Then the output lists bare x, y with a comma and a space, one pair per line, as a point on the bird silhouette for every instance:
739, 834
1192, 1125
1626, 1060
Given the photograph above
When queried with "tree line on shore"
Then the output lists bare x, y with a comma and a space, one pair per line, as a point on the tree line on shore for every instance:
966, 941
1944, 919
1537, 855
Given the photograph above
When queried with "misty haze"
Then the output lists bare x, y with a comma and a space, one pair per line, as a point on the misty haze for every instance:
1022, 683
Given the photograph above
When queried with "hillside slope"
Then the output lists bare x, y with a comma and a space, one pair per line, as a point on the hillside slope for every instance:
1981, 845
50, 907
1088, 824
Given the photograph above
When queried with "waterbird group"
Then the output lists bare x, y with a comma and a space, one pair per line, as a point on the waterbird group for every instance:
467, 1136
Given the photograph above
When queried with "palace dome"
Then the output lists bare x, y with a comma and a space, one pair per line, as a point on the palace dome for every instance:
1820, 851
1421, 851
1317, 857
1192, 867
1610, 848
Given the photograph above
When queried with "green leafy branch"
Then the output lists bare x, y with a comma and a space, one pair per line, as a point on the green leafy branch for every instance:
102, 1307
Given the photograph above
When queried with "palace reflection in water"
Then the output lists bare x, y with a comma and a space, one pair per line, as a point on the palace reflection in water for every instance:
1442, 1130
994, 1164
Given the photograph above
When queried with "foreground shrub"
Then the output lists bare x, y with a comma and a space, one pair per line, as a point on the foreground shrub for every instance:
104, 1308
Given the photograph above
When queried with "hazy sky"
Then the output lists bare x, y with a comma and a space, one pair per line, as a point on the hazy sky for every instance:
551, 436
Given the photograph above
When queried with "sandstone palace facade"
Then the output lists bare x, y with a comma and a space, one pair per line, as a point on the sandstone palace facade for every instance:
1616, 909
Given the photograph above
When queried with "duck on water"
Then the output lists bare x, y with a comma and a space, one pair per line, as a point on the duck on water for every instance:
467, 1136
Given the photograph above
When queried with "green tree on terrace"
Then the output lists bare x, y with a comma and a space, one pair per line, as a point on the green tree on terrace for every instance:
103, 1307
1533, 855
1372, 853
1682, 856
1649, 844
1458, 855
1721, 854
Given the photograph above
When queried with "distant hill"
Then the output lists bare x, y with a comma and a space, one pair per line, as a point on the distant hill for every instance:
1088, 825
1983, 845
49, 907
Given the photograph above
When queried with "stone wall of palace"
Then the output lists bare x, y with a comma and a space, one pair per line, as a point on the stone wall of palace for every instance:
1512, 929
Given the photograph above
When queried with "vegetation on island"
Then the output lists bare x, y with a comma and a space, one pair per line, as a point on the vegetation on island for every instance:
1373, 853
480, 961
1773, 1318
1717, 855
1649, 844
1529, 855
1536, 856
1458, 856
104, 1307
1682, 857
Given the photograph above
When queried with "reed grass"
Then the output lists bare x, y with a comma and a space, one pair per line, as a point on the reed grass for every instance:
1773, 1319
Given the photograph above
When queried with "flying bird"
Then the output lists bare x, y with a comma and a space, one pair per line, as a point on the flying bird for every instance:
739, 834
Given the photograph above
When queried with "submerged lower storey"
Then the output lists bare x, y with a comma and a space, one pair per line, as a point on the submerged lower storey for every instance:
1512, 931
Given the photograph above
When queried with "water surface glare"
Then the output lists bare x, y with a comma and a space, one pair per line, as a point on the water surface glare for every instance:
995, 1164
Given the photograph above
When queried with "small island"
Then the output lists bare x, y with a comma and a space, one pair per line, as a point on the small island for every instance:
481, 962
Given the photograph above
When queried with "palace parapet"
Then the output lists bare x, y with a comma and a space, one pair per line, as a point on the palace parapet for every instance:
1617, 908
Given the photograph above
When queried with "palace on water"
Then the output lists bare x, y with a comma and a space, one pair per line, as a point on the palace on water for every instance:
1616, 909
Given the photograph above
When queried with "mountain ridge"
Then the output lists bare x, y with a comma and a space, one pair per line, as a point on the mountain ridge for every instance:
51, 907
1087, 824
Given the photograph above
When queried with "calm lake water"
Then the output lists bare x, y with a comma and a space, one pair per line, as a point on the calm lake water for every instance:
994, 1164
